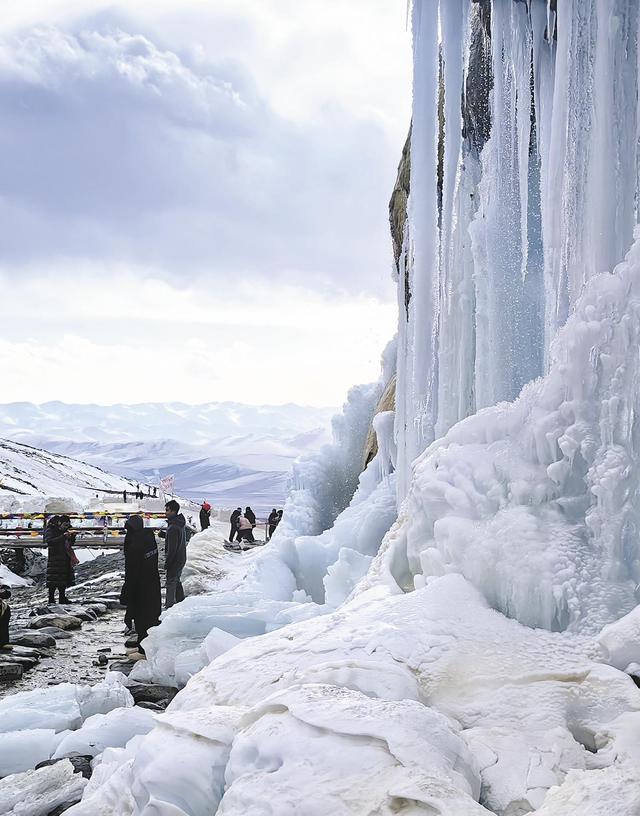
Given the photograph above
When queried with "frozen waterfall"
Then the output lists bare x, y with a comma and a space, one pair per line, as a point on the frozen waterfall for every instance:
524, 185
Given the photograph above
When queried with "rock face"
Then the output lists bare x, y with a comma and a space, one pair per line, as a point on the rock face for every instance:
387, 403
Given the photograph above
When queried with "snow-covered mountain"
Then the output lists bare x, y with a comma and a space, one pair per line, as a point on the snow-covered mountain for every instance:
27, 471
227, 452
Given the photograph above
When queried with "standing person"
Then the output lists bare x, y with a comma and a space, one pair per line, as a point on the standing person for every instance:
175, 552
124, 496
5, 615
205, 515
60, 557
250, 515
141, 590
234, 523
273, 522
245, 529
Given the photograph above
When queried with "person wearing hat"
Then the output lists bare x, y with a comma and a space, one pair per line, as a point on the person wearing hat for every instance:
205, 515
61, 558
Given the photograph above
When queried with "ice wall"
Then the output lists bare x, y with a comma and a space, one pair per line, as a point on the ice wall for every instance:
537, 501
522, 189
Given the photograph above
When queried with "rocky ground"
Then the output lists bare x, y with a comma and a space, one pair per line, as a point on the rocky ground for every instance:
73, 643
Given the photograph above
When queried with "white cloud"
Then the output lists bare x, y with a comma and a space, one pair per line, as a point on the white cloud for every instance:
198, 186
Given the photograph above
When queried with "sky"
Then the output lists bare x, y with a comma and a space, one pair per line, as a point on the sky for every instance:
193, 197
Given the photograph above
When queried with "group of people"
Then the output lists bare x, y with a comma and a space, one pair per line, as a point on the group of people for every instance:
138, 494
243, 524
141, 592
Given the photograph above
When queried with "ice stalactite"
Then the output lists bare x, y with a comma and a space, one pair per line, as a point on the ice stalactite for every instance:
539, 193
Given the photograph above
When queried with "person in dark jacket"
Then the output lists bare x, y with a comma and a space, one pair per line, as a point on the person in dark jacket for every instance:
141, 591
205, 515
272, 521
250, 515
60, 557
234, 523
5, 615
175, 553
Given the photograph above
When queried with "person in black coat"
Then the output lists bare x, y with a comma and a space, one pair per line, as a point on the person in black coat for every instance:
5, 615
272, 521
205, 515
60, 557
250, 516
141, 590
234, 523
175, 552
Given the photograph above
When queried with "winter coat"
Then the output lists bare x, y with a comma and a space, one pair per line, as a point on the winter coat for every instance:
59, 566
244, 523
204, 518
175, 545
274, 518
141, 590
233, 518
249, 514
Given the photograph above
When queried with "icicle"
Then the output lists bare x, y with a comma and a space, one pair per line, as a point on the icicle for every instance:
421, 340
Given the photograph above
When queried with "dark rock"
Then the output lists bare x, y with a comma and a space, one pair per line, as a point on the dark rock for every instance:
153, 706
110, 603
105, 649
10, 671
131, 642
121, 666
59, 621
98, 608
150, 693
26, 662
35, 639
55, 632
81, 763
102, 660
20, 651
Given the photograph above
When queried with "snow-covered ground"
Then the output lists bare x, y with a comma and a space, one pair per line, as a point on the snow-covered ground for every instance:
28, 474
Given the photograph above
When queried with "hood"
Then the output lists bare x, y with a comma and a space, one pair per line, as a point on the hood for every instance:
177, 521
134, 523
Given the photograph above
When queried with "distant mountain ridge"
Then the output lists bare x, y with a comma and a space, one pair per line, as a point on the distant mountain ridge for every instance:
227, 452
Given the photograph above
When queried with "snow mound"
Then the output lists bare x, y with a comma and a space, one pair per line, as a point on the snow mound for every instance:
9, 578
37, 793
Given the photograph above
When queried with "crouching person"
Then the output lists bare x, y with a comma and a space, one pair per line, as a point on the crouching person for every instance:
5, 615
141, 590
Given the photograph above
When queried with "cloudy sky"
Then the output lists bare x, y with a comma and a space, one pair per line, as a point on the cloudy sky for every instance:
193, 197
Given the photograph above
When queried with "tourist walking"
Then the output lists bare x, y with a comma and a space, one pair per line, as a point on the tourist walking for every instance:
141, 590
175, 553
234, 524
61, 558
205, 515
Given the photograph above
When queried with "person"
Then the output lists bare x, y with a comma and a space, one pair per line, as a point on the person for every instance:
272, 521
5, 615
245, 529
61, 559
205, 515
250, 515
141, 590
234, 524
124, 496
175, 553
155, 492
